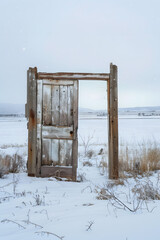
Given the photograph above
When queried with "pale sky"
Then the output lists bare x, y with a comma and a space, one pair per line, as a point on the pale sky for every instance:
82, 36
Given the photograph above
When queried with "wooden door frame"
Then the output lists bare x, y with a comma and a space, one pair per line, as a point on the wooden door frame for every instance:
111, 78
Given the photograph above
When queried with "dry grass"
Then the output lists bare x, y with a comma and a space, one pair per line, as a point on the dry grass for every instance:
146, 191
90, 153
87, 163
114, 183
13, 164
134, 196
143, 159
5, 146
102, 165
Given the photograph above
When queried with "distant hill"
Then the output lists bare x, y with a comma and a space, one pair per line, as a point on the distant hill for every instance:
87, 110
132, 109
9, 108
140, 109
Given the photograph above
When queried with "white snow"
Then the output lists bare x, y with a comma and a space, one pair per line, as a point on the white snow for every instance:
67, 208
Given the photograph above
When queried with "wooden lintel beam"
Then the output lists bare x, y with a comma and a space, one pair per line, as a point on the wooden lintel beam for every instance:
73, 76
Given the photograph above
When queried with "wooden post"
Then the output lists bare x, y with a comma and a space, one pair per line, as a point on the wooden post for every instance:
75, 140
32, 119
113, 123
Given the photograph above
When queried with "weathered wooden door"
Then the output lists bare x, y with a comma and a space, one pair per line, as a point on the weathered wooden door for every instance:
57, 124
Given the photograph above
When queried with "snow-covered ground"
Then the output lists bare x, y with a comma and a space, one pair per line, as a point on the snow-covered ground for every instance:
31, 207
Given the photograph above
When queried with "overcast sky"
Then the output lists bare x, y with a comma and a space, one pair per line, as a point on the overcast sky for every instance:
82, 36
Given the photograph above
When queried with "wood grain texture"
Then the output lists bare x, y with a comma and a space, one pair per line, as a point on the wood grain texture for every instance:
75, 131
65, 153
57, 82
70, 105
62, 152
113, 123
52, 135
46, 152
55, 105
39, 126
51, 171
57, 132
63, 121
74, 76
32, 120
69, 152
47, 115
55, 152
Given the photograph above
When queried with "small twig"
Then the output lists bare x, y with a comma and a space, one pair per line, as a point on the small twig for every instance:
8, 220
8, 184
4, 198
90, 223
119, 201
44, 210
50, 233
86, 188
28, 215
29, 222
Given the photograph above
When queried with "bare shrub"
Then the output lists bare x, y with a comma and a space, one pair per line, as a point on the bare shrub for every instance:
90, 153
113, 183
3, 171
5, 161
114, 200
81, 177
4, 165
102, 165
17, 163
146, 191
39, 200
12, 164
87, 142
103, 194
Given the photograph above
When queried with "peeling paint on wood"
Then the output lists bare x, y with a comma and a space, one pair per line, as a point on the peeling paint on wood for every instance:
58, 132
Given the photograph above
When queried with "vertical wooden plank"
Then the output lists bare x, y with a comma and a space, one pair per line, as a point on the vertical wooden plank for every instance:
55, 151
39, 126
47, 116
55, 105
69, 152
62, 152
70, 105
113, 123
75, 136
65, 153
63, 106
32, 119
46, 152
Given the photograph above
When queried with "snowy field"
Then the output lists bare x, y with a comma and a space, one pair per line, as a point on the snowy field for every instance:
132, 130
36, 208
